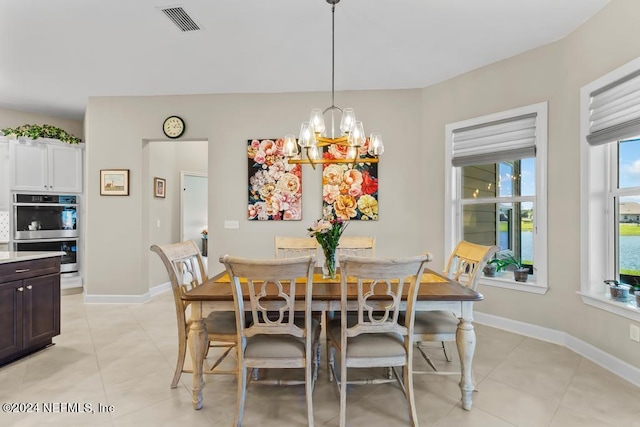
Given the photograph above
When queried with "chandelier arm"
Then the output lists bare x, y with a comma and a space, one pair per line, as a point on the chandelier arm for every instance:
333, 53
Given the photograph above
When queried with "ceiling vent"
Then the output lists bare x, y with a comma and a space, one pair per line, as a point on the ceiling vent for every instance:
178, 16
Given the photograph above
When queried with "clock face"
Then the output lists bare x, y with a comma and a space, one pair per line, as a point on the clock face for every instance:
173, 127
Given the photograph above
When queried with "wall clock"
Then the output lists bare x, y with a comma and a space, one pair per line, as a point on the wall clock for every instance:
173, 127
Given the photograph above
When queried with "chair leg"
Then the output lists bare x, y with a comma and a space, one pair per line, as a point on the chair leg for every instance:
308, 385
343, 392
182, 351
242, 392
446, 356
427, 358
411, 402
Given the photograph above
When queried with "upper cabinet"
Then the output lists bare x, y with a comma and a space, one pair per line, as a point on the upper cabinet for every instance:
5, 200
46, 166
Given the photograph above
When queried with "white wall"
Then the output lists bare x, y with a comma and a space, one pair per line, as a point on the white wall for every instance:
15, 118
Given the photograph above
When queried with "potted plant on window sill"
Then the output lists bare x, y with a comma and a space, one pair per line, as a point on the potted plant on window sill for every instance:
520, 271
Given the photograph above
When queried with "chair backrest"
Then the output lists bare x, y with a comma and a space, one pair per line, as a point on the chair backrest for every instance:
357, 246
380, 284
467, 261
291, 247
272, 288
186, 270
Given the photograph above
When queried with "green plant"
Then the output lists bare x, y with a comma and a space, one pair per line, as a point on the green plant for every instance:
505, 261
44, 131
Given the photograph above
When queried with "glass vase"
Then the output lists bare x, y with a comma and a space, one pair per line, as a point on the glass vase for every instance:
329, 266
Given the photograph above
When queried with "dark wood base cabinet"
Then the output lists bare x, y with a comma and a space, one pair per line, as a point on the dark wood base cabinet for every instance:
29, 306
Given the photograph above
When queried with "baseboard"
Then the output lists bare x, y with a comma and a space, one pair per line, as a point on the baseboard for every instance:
609, 362
128, 299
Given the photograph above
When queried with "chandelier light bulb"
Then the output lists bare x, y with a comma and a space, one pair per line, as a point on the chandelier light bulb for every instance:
376, 146
307, 137
317, 121
357, 136
289, 148
313, 152
352, 152
348, 121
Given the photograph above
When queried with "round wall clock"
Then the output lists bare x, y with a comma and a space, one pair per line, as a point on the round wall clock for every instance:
173, 127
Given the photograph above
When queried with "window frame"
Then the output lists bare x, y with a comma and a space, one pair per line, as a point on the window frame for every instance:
453, 198
598, 175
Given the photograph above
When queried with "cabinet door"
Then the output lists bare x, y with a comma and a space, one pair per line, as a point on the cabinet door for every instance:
65, 168
41, 304
5, 200
29, 162
10, 319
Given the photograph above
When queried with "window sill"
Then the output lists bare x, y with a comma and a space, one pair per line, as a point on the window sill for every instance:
625, 309
506, 281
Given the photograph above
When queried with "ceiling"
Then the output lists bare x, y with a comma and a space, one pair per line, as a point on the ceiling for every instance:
56, 54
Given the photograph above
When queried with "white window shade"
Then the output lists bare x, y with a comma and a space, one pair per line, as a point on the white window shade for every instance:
614, 111
502, 140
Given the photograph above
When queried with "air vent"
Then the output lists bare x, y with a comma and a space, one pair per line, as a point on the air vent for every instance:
178, 16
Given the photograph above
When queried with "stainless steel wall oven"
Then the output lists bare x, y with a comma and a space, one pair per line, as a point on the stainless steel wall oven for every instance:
47, 222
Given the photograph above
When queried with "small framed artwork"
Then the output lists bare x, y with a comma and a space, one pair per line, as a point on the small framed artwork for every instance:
159, 187
114, 182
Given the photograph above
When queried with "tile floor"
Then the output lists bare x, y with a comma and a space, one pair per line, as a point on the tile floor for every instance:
124, 356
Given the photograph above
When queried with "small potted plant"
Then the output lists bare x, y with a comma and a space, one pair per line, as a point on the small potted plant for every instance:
619, 291
520, 272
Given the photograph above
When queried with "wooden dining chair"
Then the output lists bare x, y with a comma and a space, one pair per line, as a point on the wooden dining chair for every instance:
276, 338
289, 247
357, 246
465, 266
373, 336
186, 270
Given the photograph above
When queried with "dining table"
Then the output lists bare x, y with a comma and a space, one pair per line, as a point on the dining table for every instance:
436, 292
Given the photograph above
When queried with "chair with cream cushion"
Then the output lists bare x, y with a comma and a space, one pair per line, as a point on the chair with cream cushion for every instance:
290, 247
276, 338
465, 266
186, 270
357, 246
372, 336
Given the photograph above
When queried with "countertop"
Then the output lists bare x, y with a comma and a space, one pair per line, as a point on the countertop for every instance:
14, 256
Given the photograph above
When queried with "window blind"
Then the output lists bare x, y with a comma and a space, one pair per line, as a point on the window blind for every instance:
508, 139
614, 111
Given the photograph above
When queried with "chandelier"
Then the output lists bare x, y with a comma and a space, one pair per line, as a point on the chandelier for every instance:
346, 148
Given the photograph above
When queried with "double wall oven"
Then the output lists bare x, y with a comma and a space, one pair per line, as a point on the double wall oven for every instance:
47, 222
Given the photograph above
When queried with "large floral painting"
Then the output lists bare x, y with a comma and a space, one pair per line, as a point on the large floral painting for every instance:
275, 186
349, 191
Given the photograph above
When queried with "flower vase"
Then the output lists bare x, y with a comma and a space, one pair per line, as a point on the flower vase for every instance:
329, 266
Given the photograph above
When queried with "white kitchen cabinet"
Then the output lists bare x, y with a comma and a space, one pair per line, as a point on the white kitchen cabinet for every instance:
46, 167
5, 200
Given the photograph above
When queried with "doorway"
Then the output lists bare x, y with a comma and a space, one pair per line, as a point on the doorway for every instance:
193, 208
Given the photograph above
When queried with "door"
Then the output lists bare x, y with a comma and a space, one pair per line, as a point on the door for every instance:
65, 168
41, 309
193, 203
10, 318
30, 166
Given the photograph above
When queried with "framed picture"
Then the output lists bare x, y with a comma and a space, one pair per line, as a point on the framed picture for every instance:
114, 182
159, 187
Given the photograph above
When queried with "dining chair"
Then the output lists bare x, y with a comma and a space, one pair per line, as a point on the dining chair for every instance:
186, 270
373, 336
289, 247
357, 246
276, 338
465, 266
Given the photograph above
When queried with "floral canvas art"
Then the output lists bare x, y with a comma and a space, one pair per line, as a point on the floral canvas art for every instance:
275, 186
349, 191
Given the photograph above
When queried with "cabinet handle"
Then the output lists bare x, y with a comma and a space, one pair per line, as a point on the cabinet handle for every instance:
20, 289
22, 270
29, 287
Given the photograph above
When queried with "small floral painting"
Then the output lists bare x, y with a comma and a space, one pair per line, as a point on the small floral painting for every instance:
275, 186
349, 191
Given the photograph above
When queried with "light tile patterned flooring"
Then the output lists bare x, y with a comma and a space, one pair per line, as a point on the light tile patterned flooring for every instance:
124, 356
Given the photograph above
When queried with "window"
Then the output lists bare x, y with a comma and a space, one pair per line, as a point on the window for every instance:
495, 189
610, 196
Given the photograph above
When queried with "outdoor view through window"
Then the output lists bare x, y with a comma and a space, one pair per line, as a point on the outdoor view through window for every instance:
498, 206
626, 199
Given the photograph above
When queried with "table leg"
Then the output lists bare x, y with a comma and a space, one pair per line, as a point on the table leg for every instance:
466, 343
197, 347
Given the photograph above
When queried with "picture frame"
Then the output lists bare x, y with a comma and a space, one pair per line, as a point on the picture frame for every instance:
159, 187
114, 182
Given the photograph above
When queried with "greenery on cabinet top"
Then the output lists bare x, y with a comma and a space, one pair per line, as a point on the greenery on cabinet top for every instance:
44, 131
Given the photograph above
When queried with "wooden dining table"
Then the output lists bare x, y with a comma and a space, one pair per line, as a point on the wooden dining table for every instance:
436, 292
